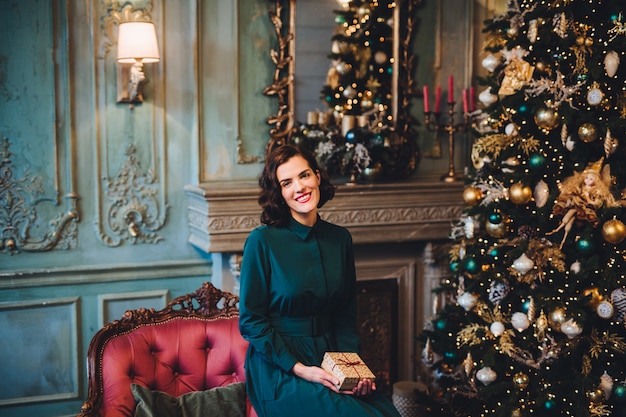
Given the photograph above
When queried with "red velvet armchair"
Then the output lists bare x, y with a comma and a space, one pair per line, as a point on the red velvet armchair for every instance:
193, 344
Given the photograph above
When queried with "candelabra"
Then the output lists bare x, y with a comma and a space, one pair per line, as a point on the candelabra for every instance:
435, 125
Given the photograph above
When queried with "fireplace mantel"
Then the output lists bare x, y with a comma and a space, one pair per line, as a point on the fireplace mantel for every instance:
222, 214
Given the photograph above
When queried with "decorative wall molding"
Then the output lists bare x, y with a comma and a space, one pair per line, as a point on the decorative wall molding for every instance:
134, 213
221, 215
112, 306
131, 204
71, 275
19, 198
33, 215
39, 371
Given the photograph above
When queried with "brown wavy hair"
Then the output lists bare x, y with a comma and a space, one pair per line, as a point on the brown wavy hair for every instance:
275, 210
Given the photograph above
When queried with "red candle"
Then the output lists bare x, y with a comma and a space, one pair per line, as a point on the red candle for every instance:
465, 108
472, 99
450, 89
437, 99
426, 103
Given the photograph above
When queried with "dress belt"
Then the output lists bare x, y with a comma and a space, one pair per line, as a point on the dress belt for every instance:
301, 326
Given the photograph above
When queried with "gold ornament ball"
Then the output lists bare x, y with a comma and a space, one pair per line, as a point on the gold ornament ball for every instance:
587, 132
472, 196
521, 380
614, 231
516, 413
547, 118
520, 193
594, 295
542, 67
496, 230
557, 317
595, 396
511, 32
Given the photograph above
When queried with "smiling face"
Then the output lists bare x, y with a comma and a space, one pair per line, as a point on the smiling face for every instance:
300, 188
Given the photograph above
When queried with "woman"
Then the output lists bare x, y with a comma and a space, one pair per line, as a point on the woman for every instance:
298, 298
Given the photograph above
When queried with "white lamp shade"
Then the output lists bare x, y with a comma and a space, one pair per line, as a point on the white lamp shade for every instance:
137, 41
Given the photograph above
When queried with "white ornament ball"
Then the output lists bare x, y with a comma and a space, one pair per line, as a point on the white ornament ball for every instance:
520, 321
486, 375
490, 62
498, 291
605, 309
611, 63
486, 97
497, 328
618, 298
380, 57
511, 129
541, 193
523, 264
467, 300
349, 92
575, 267
571, 329
343, 67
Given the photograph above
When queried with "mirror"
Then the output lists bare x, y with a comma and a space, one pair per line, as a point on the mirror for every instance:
364, 129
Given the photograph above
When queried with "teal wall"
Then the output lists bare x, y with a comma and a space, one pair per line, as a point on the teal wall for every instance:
65, 186
66, 247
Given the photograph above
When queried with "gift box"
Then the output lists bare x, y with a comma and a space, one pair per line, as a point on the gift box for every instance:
348, 367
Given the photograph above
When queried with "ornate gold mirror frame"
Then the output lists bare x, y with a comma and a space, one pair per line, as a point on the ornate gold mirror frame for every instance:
403, 145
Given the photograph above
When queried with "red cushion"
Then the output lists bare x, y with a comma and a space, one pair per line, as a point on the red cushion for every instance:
176, 357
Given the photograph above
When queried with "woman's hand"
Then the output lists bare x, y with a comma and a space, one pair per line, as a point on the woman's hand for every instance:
364, 388
316, 374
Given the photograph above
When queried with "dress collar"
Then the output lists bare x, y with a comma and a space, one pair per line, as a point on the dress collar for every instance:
302, 231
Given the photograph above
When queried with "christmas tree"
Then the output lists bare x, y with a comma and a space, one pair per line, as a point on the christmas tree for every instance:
359, 77
533, 316
357, 135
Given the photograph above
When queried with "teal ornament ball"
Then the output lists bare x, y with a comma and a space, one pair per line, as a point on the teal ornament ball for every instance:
340, 19
454, 266
526, 306
440, 324
537, 161
354, 136
328, 98
584, 246
495, 218
450, 355
581, 77
619, 393
494, 252
523, 108
471, 266
377, 139
549, 405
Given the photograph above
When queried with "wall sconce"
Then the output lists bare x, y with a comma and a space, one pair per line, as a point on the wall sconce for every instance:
136, 45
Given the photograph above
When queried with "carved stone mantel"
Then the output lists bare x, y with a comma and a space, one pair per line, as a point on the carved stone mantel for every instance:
221, 215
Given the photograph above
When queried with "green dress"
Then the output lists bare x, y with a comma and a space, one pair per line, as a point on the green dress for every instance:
298, 301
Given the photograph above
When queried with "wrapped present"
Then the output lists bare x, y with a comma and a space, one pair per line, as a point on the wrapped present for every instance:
348, 367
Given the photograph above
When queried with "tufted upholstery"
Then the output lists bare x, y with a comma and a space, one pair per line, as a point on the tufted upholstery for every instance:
193, 344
